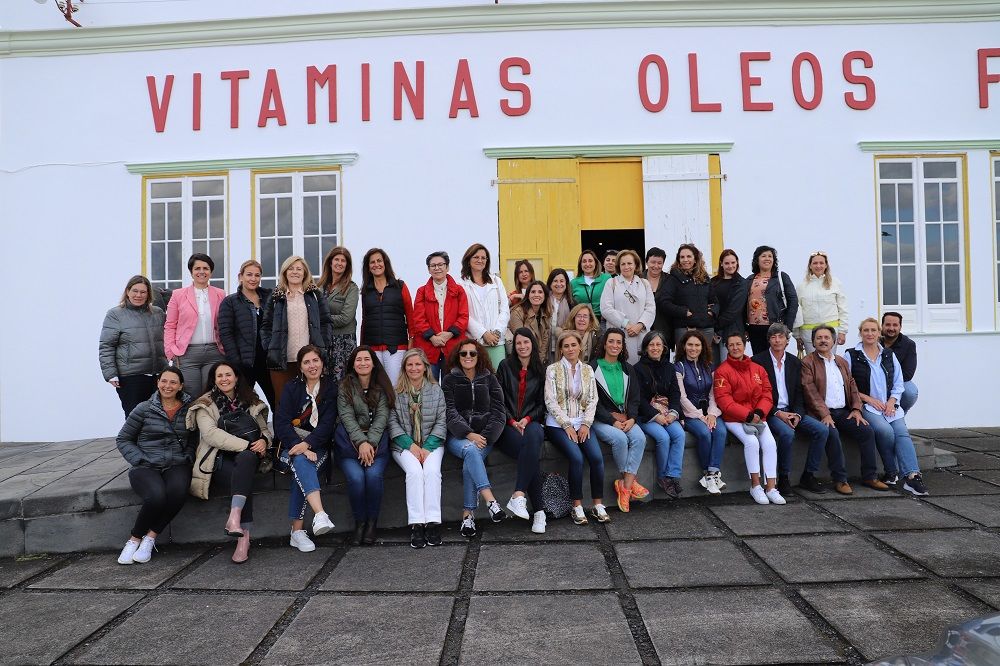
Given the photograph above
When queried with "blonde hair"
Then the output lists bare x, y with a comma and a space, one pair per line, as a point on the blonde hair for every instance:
866, 320
307, 280
403, 384
592, 326
562, 336
827, 278
626, 253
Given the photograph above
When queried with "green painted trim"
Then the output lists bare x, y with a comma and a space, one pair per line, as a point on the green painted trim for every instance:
490, 18
918, 146
613, 150
196, 166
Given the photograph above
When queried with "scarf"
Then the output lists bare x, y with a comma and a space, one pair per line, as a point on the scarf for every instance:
223, 402
415, 414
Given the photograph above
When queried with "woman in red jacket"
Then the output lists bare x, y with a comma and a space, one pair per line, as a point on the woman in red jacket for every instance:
743, 393
440, 313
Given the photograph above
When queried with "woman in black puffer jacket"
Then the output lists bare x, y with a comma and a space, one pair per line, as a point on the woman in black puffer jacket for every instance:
158, 445
687, 296
241, 318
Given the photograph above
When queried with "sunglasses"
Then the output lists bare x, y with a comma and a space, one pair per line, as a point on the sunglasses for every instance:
468, 354
817, 253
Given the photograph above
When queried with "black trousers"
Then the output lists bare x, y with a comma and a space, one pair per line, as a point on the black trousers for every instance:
135, 389
259, 374
235, 477
758, 337
526, 449
163, 492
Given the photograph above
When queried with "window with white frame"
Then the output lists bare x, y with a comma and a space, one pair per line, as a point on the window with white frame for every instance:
298, 213
922, 257
186, 215
995, 161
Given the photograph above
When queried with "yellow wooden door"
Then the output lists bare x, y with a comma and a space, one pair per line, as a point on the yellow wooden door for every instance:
611, 194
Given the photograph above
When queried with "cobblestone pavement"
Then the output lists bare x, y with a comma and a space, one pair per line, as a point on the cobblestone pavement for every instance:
703, 580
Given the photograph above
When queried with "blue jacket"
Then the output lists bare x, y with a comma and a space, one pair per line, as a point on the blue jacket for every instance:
293, 400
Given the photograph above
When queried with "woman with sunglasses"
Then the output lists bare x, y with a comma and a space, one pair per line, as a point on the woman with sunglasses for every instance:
627, 302
822, 301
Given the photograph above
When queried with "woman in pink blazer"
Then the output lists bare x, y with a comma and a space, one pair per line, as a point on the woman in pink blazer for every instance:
191, 333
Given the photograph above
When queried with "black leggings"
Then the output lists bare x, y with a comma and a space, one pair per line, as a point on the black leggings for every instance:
526, 449
163, 492
262, 376
135, 389
235, 477
758, 338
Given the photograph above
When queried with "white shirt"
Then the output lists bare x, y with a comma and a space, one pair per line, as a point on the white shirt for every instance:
836, 395
204, 332
440, 293
779, 380
488, 309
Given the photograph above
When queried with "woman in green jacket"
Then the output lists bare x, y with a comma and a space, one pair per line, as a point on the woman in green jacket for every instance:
342, 300
588, 285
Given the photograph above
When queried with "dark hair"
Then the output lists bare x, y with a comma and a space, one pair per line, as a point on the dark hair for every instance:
610, 253
517, 269
134, 280
442, 254
326, 283
698, 272
823, 327
199, 256
655, 252
534, 361
244, 392
553, 274
755, 264
599, 266
174, 369
649, 337
892, 314
719, 273
467, 263
599, 350
545, 309
367, 279
482, 358
705, 357
379, 379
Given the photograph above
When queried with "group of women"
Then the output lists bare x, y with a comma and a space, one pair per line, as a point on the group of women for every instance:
463, 367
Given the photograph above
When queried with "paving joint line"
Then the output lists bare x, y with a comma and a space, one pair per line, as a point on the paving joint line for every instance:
451, 650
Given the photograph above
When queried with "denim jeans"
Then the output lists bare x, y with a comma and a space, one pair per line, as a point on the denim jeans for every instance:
669, 447
863, 435
626, 447
364, 485
525, 449
474, 477
306, 477
575, 453
894, 444
909, 397
711, 443
819, 439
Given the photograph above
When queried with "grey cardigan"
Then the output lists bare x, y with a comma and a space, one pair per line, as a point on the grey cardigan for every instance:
432, 414
132, 342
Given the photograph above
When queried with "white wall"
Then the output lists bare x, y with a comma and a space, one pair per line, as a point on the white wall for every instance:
796, 179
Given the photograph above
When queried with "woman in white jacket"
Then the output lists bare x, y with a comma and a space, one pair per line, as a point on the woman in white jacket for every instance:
627, 301
489, 312
821, 301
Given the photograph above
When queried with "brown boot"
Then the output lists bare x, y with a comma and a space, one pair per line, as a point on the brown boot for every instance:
233, 523
242, 552
874, 484
843, 487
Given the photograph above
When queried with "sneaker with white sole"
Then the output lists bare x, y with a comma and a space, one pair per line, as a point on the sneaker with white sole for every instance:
774, 496
299, 539
758, 495
128, 552
322, 524
915, 485
468, 527
600, 513
579, 517
497, 515
718, 481
712, 484
145, 550
519, 507
538, 524
703, 481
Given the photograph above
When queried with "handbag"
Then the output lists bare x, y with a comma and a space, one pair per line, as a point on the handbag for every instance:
240, 424
555, 495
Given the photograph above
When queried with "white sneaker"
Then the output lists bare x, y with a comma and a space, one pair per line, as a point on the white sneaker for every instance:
600, 513
718, 481
775, 496
519, 507
712, 484
321, 524
145, 550
538, 524
579, 517
128, 552
759, 496
299, 539
704, 480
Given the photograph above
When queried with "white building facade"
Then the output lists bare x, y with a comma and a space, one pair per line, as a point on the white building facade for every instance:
869, 130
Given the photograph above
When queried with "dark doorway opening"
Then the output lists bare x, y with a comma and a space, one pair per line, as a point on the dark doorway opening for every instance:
614, 239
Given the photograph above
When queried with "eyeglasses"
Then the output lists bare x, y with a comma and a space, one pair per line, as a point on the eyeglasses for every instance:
468, 354
436, 266
629, 296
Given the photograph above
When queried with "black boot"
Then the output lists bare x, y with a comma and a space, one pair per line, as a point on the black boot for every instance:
369, 536
417, 538
359, 533
784, 485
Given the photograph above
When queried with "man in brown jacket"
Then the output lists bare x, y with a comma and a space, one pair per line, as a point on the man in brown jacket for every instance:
832, 397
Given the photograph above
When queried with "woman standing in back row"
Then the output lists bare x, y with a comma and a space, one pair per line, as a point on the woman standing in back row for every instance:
241, 317
342, 301
588, 285
821, 301
488, 308
768, 296
386, 310
627, 302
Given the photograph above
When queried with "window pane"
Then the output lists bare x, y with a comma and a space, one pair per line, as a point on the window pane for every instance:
908, 285
267, 261
890, 286
996, 196
199, 219
328, 207
200, 246
205, 188
887, 194
328, 244
174, 285
907, 251
284, 249
310, 216
951, 242
319, 183
167, 190
949, 198
932, 202
174, 220
158, 217
940, 170
933, 240
310, 252
175, 262
157, 261
217, 250
934, 285
220, 283
276, 185
267, 217
889, 244
284, 217
952, 284
216, 216
895, 170
905, 194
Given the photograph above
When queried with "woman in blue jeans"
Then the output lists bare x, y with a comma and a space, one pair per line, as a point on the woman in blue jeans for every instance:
879, 377
571, 401
616, 419
659, 411
361, 440
304, 422
695, 380
475, 414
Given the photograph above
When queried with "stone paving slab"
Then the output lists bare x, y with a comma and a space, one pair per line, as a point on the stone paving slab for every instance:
562, 529
894, 513
551, 629
987, 589
966, 460
116, 492
981, 444
87, 531
860, 492
989, 476
14, 572
75, 491
16, 488
737, 626
665, 520
392, 630
991, 430
189, 630
890, 619
949, 552
940, 483
267, 569
686, 564
553, 566
757, 520
67, 619
449, 534
828, 558
102, 572
11, 538
948, 433
983, 510
398, 569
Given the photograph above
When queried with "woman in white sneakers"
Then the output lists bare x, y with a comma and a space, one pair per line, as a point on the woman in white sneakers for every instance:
489, 311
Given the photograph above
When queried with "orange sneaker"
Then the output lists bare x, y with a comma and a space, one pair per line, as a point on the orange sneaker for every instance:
638, 491
623, 495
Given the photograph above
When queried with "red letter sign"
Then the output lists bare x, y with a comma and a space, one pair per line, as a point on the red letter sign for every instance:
522, 88
697, 104
750, 81
270, 101
817, 76
401, 84
158, 107
849, 76
234, 78
661, 67
985, 79
314, 79
463, 96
